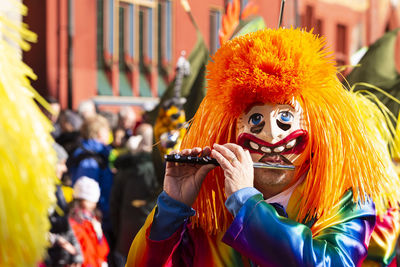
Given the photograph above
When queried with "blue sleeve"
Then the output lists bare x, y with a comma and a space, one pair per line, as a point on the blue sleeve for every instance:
169, 216
237, 199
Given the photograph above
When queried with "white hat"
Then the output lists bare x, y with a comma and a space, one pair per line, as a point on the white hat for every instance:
87, 188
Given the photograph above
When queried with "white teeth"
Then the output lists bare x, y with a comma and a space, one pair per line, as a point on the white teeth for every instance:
279, 149
291, 143
254, 145
265, 149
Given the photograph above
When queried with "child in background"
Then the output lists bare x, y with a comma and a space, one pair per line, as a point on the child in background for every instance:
86, 224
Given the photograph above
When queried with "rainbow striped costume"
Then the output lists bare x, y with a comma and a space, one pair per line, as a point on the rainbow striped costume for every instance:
259, 236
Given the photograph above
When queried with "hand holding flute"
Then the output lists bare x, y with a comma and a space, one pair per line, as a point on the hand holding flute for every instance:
183, 181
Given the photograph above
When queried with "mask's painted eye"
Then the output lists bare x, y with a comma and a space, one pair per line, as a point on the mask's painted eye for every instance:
255, 119
285, 117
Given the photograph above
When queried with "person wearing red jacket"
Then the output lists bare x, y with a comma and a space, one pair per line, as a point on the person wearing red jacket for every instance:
86, 224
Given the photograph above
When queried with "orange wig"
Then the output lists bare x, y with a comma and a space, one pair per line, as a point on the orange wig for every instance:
277, 66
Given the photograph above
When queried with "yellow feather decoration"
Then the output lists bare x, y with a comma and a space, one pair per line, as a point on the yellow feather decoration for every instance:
27, 165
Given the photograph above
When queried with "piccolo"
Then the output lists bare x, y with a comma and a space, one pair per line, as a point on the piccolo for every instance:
209, 160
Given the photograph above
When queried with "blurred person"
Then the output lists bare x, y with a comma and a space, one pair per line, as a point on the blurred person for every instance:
65, 249
118, 146
133, 193
111, 117
87, 109
128, 119
53, 115
70, 121
70, 124
86, 224
126, 124
91, 159
146, 131
56, 108
119, 138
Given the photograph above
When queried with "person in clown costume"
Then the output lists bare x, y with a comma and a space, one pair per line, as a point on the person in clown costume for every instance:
274, 99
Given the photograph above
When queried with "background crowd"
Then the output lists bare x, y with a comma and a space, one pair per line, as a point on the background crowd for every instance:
107, 184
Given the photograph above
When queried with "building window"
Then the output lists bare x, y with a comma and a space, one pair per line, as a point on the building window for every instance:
146, 34
122, 37
150, 33
126, 47
145, 44
164, 44
341, 44
104, 45
308, 21
165, 32
215, 25
129, 33
100, 34
318, 28
108, 23
142, 36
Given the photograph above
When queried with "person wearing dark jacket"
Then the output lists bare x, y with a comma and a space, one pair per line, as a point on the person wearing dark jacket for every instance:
134, 191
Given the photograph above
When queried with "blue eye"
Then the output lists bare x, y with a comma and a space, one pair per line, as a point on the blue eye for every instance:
255, 119
285, 116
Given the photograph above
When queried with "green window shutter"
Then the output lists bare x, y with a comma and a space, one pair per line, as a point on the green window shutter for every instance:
144, 86
162, 86
103, 84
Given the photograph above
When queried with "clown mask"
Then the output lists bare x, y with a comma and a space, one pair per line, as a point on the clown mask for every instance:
274, 134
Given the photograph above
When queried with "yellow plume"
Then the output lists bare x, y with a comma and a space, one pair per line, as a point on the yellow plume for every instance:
27, 165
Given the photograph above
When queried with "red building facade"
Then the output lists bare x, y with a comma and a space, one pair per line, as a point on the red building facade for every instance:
125, 50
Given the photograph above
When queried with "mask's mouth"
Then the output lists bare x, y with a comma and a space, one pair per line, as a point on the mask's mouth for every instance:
294, 143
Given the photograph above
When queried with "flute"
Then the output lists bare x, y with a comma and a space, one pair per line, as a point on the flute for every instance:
208, 160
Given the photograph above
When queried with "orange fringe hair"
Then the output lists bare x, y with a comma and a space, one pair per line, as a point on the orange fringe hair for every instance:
277, 66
